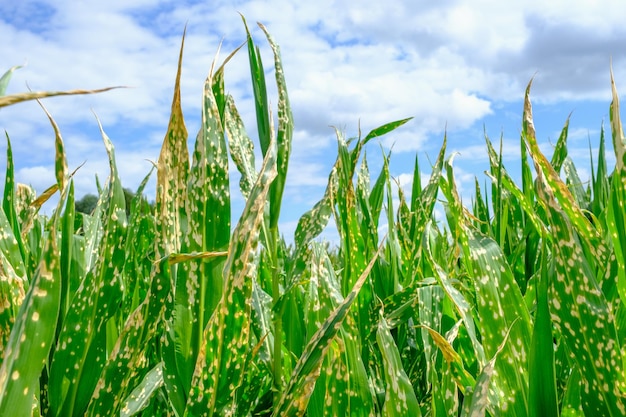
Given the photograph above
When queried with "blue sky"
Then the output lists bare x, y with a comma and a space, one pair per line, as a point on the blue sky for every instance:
456, 64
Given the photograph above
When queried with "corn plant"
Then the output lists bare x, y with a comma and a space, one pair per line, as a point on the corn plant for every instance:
513, 306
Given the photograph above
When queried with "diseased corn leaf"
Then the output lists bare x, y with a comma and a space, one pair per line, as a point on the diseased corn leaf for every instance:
575, 184
172, 176
139, 248
9, 205
445, 398
25, 196
422, 207
400, 398
27, 350
478, 403
571, 406
81, 347
13, 276
172, 216
464, 379
580, 310
128, 366
199, 281
140, 396
323, 295
12, 292
315, 220
219, 368
619, 142
593, 241
461, 305
581, 313
369, 220
257, 385
505, 181
296, 396
342, 386
128, 363
354, 246
616, 213
430, 313
35, 95
241, 147
499, 305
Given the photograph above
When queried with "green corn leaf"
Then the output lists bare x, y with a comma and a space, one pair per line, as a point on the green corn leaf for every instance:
384, 129
599, 178
6, 77
377, 192
542, 400
260, 92
283, 135
416, 185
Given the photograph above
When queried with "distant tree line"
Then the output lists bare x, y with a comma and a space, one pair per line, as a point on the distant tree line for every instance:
88, 203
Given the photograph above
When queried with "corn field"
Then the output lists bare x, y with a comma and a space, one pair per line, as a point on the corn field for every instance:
511, 307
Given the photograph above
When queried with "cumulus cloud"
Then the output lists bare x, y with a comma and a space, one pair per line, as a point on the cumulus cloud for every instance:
449, 64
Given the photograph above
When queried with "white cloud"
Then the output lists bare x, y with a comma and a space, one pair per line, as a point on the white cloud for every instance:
448, 64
